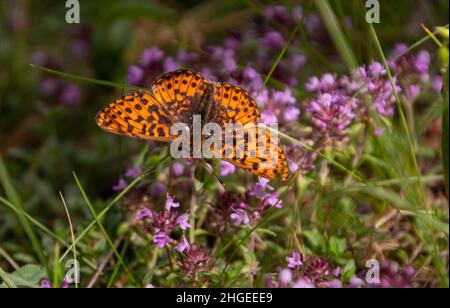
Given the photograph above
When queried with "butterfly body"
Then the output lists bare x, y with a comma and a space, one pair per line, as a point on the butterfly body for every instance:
180, 96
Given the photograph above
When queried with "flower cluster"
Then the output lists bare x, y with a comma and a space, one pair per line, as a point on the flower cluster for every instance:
306, 272
394, 276
194, 260
413, 70
244, 214
162, 225
337, 103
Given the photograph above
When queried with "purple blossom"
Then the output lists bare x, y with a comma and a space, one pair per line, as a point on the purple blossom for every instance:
71, 95
240, 217
158, 189
183, 221
273, 40
183, 245
297, 61
151, 55
226, 168
326, 82
332, 112
252, 79
170, 64
411, 69
46, 284
394, 276
170, 202
122, 184
375, 82
133, 172
422, 63
291, 114
295, 260
144, 213
259, 190
267, 117
438, 83
285, 277
356, 282
162, 239
273, 200
304, 282
135, 75
177, 169
227, 57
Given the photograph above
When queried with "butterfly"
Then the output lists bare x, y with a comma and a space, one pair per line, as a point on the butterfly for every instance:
176, 97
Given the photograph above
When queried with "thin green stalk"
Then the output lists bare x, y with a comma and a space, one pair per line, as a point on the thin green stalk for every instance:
103, 230
72, 237
280, 56
402, 115
117, 266
88, 79
336, 33
13, 196
417, 44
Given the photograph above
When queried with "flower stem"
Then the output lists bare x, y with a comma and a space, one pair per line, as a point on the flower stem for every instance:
169, 258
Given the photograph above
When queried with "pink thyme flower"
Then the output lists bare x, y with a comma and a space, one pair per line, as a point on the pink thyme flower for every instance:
183, 221
162, 239
295, 260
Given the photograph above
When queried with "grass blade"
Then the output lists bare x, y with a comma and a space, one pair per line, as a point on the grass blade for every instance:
102, 229
336, 33
17, 203
89, 79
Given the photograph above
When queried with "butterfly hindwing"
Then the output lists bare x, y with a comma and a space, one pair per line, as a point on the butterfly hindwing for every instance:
256, 150
137, 114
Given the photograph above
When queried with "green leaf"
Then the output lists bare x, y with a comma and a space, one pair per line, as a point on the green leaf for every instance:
337, 246
27, 276
316, 239
7, 280
32, 273
349, 270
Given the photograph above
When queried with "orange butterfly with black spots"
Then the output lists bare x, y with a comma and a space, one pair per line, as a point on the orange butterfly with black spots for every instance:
175, 98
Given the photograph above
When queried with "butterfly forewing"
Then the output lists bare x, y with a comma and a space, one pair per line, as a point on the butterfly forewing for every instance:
137, 114
179, 90
237, 105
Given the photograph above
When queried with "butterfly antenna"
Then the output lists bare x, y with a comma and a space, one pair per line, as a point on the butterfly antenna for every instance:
212, 171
